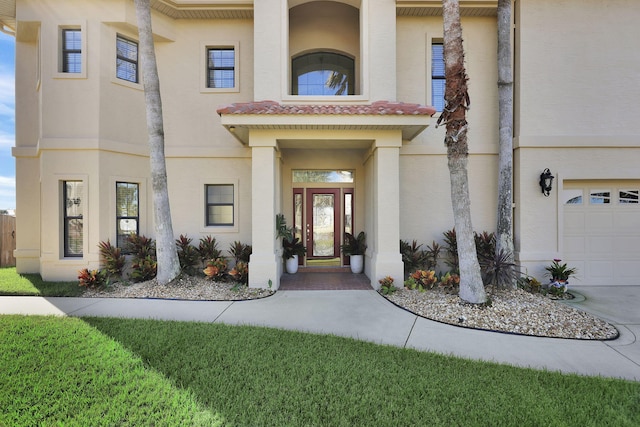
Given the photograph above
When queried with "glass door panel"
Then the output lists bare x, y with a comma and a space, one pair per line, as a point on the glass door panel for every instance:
323, 224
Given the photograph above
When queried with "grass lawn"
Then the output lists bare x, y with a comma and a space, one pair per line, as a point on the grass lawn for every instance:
100, 371
12, 283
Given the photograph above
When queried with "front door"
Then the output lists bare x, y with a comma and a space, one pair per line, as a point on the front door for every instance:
322, 225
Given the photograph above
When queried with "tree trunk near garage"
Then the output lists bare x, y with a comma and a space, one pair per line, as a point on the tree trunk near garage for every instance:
168, 263
454, 116
504, 235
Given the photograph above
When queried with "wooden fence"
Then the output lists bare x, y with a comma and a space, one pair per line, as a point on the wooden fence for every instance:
7, 240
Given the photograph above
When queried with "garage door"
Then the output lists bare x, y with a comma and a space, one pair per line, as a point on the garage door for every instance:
601, 232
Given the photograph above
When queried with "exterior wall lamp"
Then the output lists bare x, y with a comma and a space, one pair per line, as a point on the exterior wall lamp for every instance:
546, 179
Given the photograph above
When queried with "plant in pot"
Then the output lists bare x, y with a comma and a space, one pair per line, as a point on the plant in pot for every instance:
559, 274
292, 247
355, 247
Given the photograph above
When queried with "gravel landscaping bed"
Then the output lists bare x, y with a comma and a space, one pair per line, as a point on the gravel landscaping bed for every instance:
184, 288
517, 312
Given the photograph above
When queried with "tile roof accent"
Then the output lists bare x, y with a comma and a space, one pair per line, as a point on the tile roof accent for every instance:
378, 108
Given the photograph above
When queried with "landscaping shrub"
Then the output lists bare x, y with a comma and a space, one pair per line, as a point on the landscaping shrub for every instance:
421, 280
188, 255
240, 272
208, 249
240, 252
216, 269
92, 278
144, 263
112, 258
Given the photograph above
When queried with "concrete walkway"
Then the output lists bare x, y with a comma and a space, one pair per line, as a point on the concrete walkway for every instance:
365, 315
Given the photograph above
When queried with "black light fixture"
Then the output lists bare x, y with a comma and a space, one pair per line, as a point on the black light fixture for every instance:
546, 179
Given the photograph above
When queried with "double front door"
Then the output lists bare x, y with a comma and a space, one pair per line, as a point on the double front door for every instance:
321, 217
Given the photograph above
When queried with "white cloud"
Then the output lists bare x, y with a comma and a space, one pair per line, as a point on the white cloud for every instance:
7, 95
6, 140
7, 192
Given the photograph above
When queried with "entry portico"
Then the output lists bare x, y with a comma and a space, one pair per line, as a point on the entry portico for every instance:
364, 138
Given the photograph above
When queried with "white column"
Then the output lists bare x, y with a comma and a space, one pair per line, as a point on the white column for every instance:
265, 265
385, 258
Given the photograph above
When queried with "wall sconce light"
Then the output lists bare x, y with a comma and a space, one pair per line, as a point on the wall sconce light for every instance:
546, 179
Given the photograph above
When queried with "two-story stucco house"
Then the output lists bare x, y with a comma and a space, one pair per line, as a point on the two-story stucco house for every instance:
324, 111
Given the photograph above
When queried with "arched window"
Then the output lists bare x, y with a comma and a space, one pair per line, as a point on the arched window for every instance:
323, 73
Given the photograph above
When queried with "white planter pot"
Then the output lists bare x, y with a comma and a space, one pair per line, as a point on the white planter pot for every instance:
357, 263
291, 265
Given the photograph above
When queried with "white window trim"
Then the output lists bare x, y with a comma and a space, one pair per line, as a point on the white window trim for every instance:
61, 179
361, 76
431, 39
142, 205
204, 47
113, 59
58, 74
236, 207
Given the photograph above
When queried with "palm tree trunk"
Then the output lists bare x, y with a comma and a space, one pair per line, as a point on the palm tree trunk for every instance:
504, 237
168, 263
454, 116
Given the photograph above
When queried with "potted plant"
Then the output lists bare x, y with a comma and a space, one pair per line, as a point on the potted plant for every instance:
355, 247
559, 274
292, 247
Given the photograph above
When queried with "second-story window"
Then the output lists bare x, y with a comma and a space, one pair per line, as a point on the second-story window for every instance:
323, 74
126, 59
221, 63
71, 51
437, 76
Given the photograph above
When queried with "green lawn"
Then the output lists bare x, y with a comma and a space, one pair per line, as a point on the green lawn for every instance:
12, 283
99, 372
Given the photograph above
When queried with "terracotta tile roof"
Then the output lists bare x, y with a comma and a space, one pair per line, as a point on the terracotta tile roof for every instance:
378, 108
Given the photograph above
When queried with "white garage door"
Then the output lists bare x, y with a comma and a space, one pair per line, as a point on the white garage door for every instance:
602, 231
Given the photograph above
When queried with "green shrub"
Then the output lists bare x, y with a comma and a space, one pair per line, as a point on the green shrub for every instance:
422, 280
485, 244
240, 272
216, 269
208, 249
498, 270
144, 263
240, 252
92, 279
112, 258
144, 269
187, 255
386, 285
451, 250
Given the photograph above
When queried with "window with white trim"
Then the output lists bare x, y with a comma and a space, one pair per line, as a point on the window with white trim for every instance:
126, 59
628, 196
221, 67
438, 81
73, 228
219, 205
323, 74
71, 60
600, 197
127, 212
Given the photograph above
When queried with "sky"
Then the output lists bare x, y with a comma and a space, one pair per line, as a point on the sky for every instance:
7, 122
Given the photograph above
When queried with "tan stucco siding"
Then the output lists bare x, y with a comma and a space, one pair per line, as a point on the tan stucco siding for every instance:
578, 67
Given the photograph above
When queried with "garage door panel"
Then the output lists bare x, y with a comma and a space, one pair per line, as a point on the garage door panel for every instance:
601, 245
574, 222
574, 244
599, 270
628, 219
603, 239
628, 270
627, 246
599, 221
